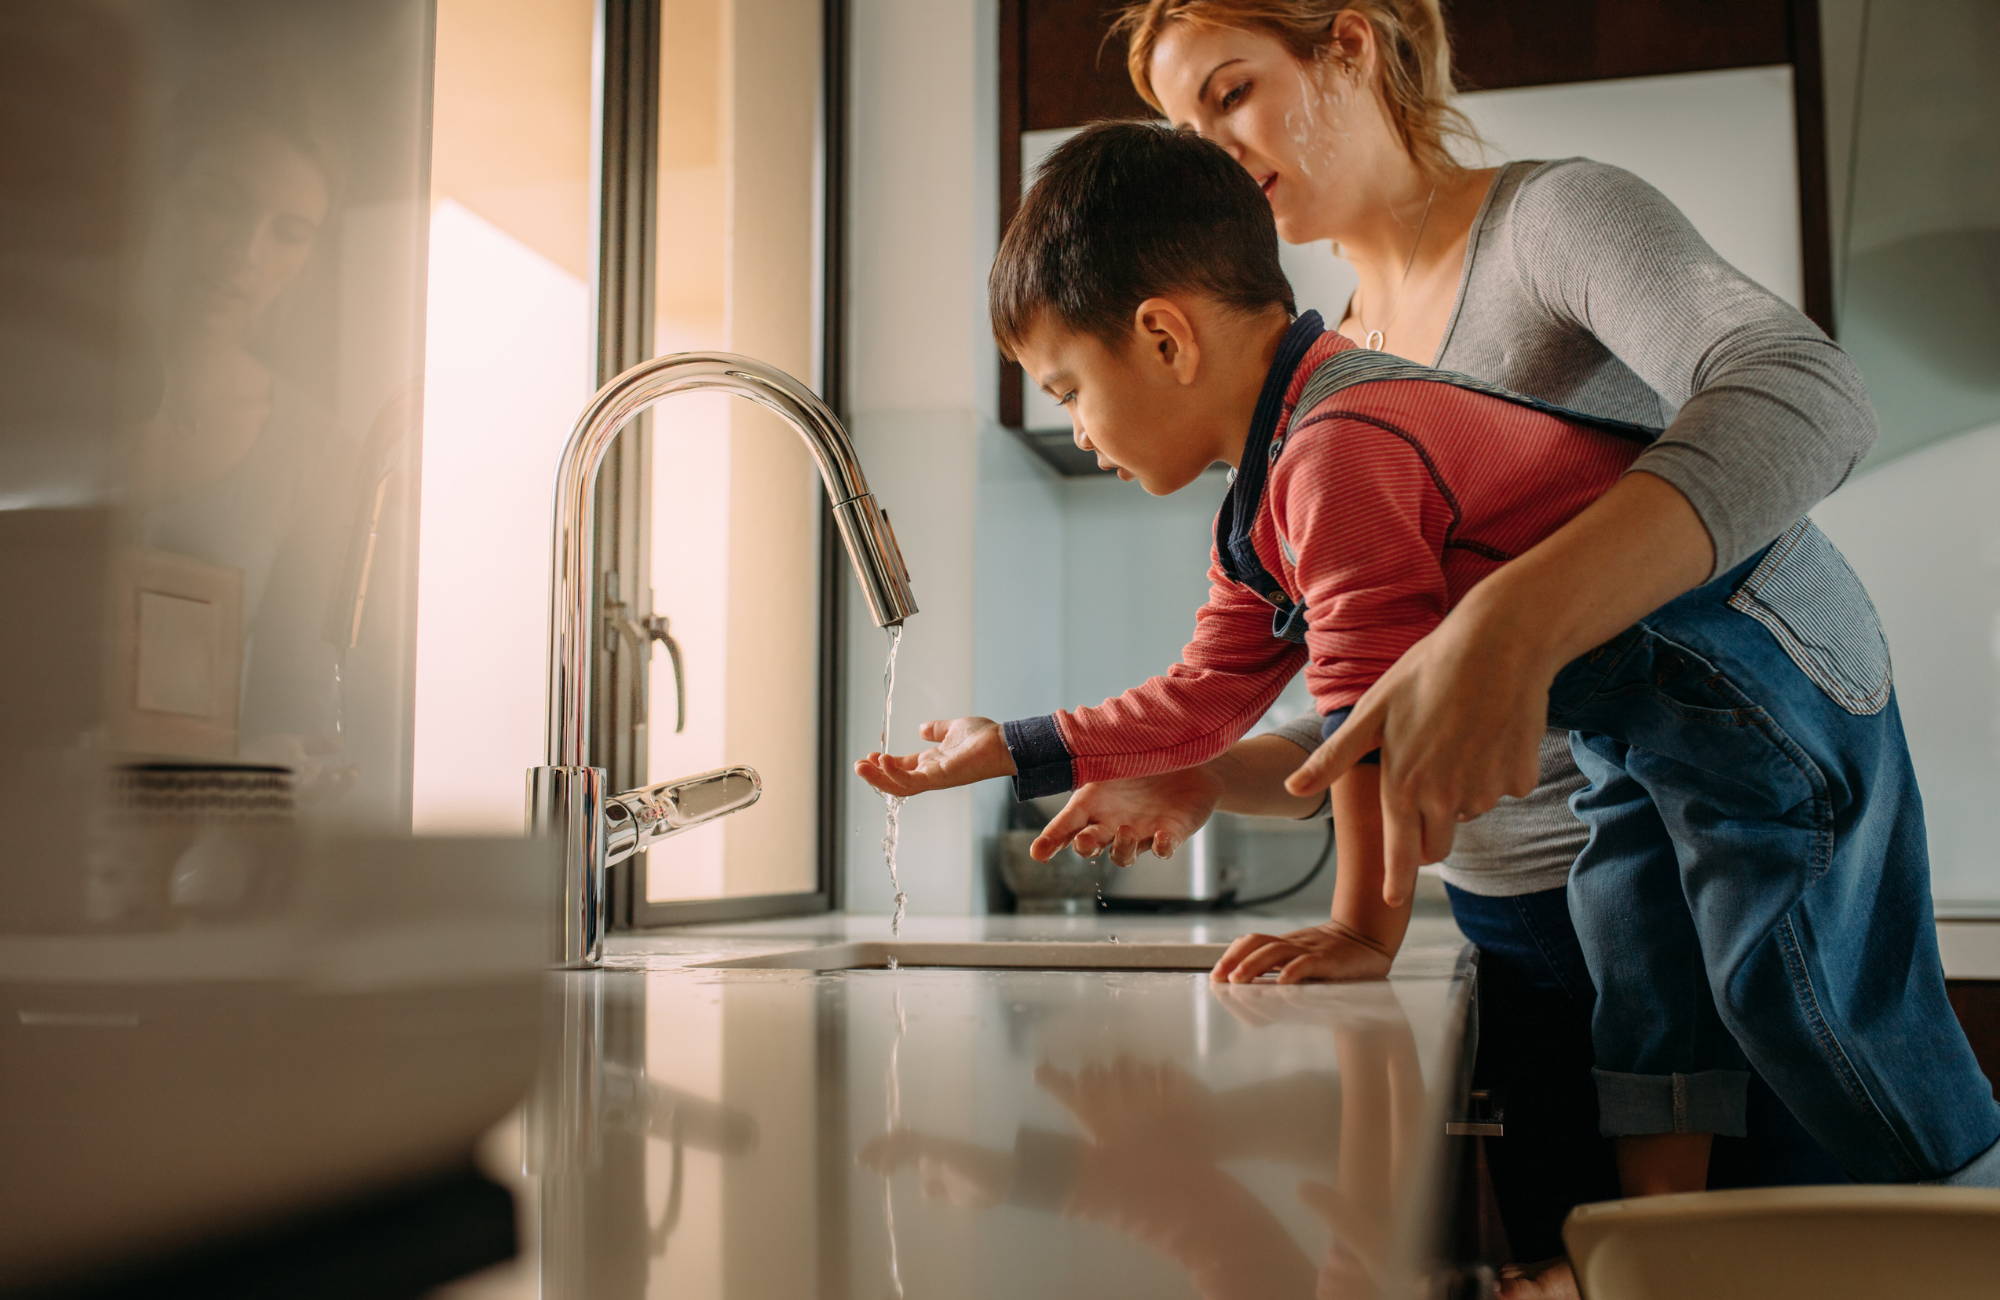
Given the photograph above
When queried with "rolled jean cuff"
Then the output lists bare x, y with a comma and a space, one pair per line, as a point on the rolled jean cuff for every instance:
1983, 1170
1713, 1101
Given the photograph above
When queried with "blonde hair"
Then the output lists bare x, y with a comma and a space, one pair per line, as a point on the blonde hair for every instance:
1413, 46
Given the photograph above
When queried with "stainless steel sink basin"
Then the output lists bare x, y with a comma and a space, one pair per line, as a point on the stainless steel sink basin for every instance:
1015, 955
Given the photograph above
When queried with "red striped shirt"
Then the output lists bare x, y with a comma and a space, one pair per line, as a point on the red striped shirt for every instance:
1387, 502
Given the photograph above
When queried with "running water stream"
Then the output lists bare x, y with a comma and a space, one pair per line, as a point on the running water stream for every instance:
894, 1086
892, 804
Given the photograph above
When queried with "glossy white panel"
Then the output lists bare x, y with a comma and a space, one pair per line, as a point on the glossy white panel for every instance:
1922, 533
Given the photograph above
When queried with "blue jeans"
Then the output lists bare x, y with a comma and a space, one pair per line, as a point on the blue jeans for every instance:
1755, 891
1534, 1054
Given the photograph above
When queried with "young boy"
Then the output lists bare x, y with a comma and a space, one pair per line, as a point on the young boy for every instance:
1755, 887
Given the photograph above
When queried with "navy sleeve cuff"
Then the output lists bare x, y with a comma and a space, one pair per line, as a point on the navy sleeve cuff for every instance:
1042, 763
1330, 723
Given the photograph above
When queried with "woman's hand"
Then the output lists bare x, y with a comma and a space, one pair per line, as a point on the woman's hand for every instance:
1460, 716
1147, 814
1459, 721
967, 750
1320, 952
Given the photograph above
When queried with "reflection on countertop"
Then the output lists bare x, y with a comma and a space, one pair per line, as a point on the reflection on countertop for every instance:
927, 1132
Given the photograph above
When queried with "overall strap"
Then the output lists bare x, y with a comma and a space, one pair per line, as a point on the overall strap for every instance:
1351, 366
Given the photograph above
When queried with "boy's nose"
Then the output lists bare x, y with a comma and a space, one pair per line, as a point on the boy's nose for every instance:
1081, 438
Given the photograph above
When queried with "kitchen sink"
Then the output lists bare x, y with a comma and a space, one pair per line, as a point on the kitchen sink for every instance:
989, 955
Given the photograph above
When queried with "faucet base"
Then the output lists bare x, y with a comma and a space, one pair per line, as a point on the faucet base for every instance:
566, 804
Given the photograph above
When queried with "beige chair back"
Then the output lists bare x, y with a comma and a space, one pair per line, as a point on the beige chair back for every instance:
1777, 1243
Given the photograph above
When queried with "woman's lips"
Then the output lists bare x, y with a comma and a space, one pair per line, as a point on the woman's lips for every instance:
1268, 184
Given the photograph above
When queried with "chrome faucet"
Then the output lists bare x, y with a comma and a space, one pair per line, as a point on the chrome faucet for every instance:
566, 797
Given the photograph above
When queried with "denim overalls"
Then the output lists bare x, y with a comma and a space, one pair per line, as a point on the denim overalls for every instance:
1755, 889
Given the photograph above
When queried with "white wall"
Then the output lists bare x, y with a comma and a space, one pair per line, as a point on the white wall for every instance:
1914, 172
1915, 168
499, 307
507, 369
974, 513
1922, 533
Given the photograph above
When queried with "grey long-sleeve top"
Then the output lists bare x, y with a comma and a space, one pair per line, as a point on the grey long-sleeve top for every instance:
1585, 287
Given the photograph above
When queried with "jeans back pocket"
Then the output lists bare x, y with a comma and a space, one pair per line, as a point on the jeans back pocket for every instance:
1805, 594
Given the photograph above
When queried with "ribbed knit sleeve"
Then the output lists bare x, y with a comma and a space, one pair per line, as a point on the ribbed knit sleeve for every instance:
1362, 508
1229, 673
1772, 414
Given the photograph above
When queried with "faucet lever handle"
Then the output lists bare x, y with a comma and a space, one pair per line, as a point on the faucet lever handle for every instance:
639, 818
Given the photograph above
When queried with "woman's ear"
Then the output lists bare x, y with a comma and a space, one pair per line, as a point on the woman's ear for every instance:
1350, 45
1167, 336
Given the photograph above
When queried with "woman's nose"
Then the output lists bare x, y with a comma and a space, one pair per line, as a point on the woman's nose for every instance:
1081, 438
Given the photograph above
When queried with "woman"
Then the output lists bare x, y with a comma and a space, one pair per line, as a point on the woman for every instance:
1570, 281
237, 464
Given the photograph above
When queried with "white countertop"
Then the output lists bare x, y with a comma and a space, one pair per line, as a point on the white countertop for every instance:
928, 1132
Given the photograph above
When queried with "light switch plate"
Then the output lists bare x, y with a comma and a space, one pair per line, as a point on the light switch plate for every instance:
177, 660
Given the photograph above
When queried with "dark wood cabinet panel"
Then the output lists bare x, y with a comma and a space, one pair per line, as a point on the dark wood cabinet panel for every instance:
1978, 1005
1072, 74
1497, 43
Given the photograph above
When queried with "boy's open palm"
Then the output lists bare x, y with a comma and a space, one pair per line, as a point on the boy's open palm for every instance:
966, 750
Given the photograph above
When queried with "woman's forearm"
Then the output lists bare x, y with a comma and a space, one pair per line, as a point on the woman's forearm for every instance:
1252, 774
1629, 552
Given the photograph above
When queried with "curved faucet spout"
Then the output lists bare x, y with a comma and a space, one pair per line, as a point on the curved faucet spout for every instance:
871, 545
567, 798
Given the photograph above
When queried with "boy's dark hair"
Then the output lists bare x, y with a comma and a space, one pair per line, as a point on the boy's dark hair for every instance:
1122, 212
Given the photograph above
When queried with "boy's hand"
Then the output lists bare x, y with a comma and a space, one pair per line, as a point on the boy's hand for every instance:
1320, 952
967, 750
1141, 814
957, 1173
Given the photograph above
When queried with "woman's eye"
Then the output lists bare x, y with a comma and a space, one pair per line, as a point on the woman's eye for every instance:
1066, 398
1234, 95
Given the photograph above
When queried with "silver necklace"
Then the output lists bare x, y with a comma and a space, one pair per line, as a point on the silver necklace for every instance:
1374, 339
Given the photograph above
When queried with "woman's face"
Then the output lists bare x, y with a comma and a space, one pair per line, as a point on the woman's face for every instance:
245, 215
1299, 129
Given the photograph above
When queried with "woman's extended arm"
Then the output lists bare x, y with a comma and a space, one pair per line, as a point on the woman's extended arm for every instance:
1771, 417
1458, 718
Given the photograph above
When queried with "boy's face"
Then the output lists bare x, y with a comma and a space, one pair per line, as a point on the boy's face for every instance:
1128, 402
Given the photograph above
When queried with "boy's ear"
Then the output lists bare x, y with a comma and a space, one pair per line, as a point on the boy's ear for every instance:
1167, 334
